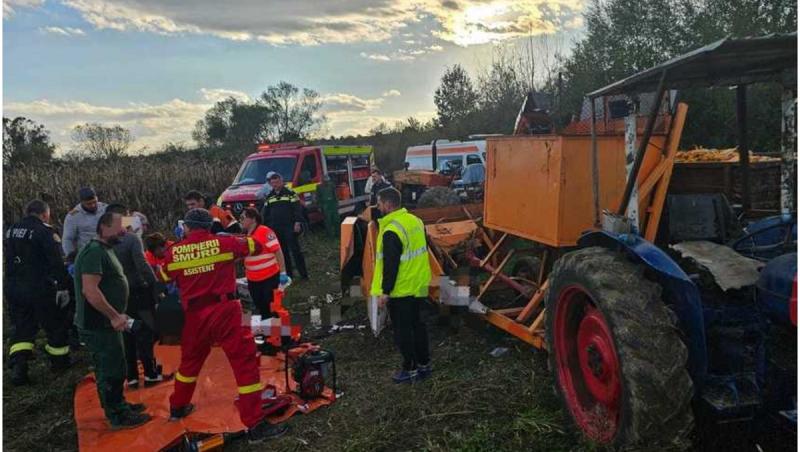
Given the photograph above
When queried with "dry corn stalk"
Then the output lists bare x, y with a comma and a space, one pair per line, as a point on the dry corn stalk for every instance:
718, 155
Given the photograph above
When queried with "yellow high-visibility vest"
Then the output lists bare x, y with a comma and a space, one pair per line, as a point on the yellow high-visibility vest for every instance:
414, 273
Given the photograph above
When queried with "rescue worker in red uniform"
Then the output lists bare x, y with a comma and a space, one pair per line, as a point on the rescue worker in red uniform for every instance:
202, 264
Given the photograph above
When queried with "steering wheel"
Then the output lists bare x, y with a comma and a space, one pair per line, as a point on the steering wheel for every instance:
749, 245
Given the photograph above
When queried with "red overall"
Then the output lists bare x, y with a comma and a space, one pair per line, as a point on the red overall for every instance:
203, 266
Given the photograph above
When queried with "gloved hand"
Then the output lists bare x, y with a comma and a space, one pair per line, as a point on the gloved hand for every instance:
284, 281
62, 298
172, 289
179, 231
71, 269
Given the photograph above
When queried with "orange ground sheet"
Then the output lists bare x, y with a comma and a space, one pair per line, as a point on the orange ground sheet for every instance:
214, 401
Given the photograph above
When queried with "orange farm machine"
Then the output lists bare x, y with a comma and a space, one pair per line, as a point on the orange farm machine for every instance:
649, 339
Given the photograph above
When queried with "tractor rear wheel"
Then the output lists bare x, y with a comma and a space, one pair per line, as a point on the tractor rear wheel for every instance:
618, 360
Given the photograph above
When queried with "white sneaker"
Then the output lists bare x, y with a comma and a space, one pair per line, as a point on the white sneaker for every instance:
132, 384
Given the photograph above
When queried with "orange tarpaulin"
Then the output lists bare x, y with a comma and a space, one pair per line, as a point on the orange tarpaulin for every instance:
214, 399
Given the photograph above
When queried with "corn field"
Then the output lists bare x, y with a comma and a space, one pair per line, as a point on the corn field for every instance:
153, 185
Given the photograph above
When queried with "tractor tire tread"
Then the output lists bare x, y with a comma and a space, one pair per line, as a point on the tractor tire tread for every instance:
657, 389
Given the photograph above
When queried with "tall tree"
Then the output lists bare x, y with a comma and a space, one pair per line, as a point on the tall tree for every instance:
501, 93
294, 112
213, 129
25, 142
455, 98
99, 141
626, 36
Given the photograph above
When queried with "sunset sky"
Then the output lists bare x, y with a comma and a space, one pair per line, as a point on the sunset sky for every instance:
155, 66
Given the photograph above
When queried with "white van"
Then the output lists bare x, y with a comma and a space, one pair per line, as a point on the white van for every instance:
449, 155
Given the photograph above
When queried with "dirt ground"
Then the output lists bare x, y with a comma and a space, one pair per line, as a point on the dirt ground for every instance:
473, 401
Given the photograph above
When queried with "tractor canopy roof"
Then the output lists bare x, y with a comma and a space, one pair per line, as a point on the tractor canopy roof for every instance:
727, 62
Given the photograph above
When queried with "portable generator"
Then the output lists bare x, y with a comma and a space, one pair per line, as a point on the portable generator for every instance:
311, 368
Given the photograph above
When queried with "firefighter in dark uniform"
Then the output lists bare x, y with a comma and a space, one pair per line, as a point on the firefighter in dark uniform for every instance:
283, 213
36, 286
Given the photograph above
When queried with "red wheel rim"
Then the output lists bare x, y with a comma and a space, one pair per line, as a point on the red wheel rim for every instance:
587, 364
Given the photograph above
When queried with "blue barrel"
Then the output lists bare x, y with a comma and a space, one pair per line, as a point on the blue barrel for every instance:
775, 287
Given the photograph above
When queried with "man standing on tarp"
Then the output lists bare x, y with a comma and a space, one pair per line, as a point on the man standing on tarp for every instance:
203, 265
102, 298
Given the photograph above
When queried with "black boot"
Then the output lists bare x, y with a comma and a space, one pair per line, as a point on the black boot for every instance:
264, 431
181, 412
19, 372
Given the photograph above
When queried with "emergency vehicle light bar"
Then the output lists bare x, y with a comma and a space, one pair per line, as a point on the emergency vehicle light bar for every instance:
272, 147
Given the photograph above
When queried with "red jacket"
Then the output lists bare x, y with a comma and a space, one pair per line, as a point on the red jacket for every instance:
153, 260
203, 265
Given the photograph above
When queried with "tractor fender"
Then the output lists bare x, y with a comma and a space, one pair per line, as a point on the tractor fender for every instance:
683, 295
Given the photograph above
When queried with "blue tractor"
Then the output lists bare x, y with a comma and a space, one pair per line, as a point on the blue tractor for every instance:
707, 352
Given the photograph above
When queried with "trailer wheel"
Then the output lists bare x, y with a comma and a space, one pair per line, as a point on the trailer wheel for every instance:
617, 358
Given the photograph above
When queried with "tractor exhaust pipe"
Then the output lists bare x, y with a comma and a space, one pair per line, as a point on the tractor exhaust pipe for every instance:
434, 156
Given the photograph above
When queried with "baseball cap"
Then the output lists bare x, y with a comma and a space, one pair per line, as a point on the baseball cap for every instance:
272, 174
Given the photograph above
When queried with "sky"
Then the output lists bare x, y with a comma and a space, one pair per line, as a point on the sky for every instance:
156, 66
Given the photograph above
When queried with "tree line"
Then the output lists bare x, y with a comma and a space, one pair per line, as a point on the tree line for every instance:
621, 37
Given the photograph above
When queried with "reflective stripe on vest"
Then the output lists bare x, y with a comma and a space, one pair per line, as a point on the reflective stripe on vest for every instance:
259, 264
414, 273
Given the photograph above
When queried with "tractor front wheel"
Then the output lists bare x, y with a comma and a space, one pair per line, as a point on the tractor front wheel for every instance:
618, 360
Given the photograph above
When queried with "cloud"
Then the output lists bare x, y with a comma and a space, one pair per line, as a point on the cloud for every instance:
280, 22
338, 103
376, 56
354, 124
405, 54
472, 23
66, 31
275, 21
10, 6
154, 125
217, 94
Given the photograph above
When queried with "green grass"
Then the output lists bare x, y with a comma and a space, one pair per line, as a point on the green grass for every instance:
473, 402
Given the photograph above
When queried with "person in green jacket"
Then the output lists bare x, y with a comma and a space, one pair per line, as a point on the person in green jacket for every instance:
101, 291
401, 279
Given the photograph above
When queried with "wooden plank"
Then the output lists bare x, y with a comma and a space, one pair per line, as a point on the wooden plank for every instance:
535, 301
496, 272
543, 266
647, 186
494, 249
485, 237
515, 329
457, 212
508, 312
660, 195
537, 324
